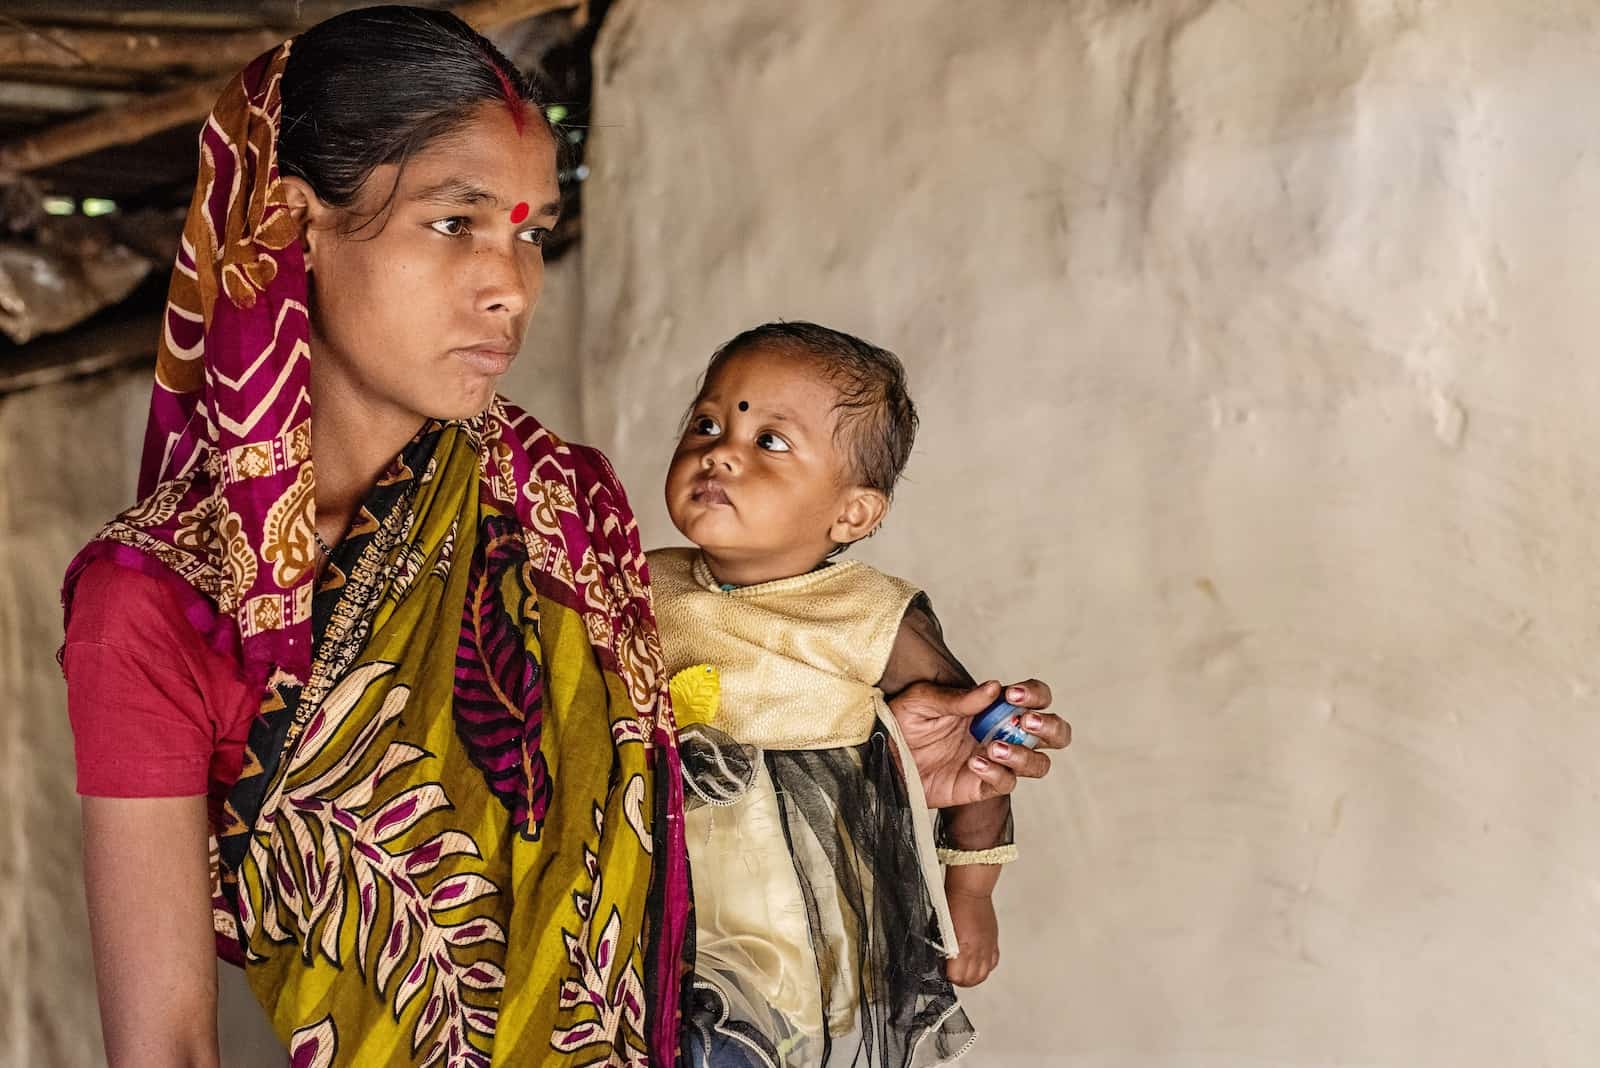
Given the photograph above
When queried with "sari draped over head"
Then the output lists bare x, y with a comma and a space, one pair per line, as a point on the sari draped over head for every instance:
457, 838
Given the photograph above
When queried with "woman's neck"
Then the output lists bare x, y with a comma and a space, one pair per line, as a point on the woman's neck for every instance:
353, 442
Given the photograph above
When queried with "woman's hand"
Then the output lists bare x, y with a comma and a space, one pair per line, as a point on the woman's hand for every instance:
935, 721
146, 870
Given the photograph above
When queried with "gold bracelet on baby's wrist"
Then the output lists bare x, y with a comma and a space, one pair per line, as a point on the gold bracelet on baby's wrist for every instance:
1003, 854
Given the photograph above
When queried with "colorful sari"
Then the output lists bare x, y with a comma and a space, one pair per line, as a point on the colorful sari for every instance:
457, 838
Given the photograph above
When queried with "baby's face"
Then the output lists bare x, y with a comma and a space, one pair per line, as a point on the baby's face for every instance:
757, 478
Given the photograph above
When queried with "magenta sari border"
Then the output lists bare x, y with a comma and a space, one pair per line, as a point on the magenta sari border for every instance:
666, 1028
229, 950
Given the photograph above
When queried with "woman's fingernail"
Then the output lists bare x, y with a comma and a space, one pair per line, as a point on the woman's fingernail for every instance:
980, 764
1016, 693
999, 750
1032, 722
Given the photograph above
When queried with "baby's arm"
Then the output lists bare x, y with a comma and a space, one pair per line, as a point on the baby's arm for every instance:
920, 655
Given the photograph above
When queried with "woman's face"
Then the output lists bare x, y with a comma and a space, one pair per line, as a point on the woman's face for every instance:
419, 312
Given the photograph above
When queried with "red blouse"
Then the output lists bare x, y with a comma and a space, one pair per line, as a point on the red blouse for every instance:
156, 712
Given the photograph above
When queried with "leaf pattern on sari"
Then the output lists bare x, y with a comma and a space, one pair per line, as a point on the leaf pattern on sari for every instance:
633, 811
614, 1012
305, 876
499, 688
314, 1045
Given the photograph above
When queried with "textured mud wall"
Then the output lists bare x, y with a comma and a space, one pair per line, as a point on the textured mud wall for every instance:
1253, 342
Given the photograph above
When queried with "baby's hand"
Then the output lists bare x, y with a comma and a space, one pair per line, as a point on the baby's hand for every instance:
977, 935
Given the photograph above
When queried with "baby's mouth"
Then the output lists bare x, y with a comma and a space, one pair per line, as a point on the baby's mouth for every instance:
709, 491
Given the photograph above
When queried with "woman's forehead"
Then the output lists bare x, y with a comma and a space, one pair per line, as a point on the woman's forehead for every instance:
486, 158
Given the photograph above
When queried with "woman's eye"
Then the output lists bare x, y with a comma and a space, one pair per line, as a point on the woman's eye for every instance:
536, 236
454, 226
771, 442
704, 424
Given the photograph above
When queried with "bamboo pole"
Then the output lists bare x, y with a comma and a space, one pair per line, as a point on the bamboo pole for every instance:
140, 118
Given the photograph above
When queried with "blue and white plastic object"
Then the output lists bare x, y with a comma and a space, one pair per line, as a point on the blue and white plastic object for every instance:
1002, 722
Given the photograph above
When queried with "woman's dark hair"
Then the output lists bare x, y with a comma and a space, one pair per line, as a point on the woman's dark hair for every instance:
375, 85
877, 421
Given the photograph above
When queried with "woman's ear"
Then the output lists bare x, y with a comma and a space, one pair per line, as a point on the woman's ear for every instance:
313, 216
859, 517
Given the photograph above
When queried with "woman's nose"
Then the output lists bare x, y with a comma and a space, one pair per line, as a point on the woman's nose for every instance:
503, 284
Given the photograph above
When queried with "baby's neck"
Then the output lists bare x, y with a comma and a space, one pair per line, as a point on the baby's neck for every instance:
754, 570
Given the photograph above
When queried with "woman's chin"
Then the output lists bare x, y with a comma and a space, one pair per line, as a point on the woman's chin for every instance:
464, 404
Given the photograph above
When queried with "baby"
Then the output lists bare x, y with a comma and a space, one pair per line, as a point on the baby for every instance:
823, 923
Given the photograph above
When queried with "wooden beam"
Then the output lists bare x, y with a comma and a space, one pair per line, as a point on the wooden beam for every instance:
184, 14
112, 126
140, 118
92, 78
139, 50
143, 49
28, 96
84, 351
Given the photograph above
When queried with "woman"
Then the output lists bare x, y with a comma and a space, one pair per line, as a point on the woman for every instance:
396, 664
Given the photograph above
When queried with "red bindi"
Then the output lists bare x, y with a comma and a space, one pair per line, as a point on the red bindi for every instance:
519, 212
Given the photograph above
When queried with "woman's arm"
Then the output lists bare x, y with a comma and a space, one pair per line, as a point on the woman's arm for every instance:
146, 870
920, 654
934, 711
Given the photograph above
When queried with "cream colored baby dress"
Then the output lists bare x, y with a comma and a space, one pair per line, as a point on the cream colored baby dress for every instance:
821, 925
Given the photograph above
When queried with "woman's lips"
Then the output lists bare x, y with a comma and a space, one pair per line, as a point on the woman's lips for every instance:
489, 360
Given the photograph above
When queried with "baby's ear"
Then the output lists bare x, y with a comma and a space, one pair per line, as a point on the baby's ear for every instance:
863, 510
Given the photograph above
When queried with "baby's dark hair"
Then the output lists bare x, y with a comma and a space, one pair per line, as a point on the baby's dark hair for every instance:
877, 421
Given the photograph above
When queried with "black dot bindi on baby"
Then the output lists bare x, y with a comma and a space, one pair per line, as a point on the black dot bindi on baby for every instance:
744, 406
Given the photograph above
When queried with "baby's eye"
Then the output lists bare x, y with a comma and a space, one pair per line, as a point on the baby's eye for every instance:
771, 442
454, 226
704, 424
536, 236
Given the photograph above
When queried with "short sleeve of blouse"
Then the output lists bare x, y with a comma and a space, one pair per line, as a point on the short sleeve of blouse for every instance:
141, 688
